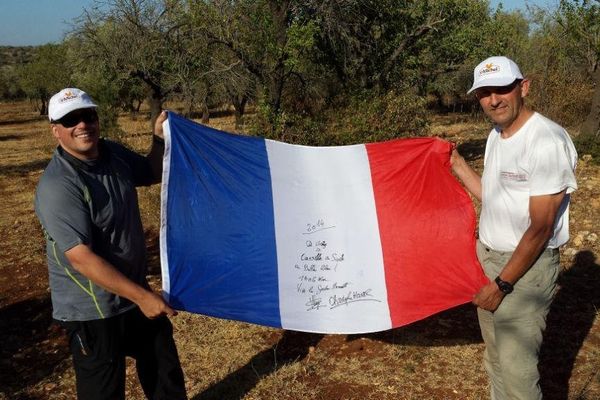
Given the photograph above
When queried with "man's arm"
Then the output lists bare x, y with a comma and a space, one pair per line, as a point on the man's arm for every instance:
466, 174
542, 211
158, 124
155, 156
104, 274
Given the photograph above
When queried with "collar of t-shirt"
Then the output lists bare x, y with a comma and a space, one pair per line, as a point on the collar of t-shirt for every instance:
87, 165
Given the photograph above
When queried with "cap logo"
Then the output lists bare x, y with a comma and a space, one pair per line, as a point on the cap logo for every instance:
489, 69
68, 96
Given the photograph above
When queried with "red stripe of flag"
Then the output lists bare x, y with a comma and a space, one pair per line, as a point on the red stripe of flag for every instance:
427, 228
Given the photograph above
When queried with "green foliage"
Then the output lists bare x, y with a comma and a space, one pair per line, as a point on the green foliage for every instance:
106, 95
109, 124
102, 84
301, 40
10, 89
559, 93
580, 23
11, 60
47, 73
149, 41
580, 20
506, 33
291, 127
397, 113
317, 72
479, 34
561, 87
588, 144
367, 117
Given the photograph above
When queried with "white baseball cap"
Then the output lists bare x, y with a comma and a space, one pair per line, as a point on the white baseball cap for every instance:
67, 100
495, 71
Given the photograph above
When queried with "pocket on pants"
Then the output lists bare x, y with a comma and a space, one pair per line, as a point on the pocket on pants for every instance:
81, 340
484, 257
492, 262
542, 275
92, 343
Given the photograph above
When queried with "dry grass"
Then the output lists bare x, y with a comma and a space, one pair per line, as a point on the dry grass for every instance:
438, 358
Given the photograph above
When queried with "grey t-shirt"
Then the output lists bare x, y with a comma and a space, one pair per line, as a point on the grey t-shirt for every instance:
93, 203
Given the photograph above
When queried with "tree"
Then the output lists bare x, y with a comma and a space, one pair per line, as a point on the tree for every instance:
10, 87
144, 39
48, 72
580, 20
270, 39
561, 88
240, 88
445, 56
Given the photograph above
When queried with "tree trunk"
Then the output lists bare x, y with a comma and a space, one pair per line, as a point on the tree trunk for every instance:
591, 126
156, 100
157, 96
190, 107
205, 113
275, 91
43, 107
239, 105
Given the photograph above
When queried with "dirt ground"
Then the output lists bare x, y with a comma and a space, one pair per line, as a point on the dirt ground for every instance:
437, 358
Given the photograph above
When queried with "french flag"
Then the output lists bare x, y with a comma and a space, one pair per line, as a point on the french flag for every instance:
344, 239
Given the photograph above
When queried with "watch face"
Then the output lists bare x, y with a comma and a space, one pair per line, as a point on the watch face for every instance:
504, 287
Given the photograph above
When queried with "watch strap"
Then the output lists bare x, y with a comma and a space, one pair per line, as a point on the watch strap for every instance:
505, 287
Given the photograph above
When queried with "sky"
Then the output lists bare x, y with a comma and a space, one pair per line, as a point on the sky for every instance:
35, 22
521, 4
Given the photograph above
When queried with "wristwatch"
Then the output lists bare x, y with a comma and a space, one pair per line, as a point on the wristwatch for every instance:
505, 287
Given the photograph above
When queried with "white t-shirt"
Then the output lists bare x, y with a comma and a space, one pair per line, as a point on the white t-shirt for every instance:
539, 159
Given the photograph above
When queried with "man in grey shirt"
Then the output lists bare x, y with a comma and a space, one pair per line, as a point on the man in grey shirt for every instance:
87, 204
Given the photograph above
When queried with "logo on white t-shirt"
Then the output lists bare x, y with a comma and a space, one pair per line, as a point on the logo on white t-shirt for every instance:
513, 176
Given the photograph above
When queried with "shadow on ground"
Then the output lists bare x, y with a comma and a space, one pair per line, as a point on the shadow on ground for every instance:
23, 169
472, 150
32, 347
292, 347
8, 138
570, 319
23, 121
456, 326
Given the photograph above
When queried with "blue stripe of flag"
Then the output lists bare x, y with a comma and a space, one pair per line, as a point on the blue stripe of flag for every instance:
220, 220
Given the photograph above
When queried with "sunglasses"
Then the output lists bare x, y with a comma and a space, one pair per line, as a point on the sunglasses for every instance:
75, 117
487, 91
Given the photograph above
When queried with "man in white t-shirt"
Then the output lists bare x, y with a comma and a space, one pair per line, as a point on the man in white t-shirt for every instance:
525, 188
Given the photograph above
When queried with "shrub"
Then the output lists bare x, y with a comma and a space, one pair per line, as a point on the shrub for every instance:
108, 122
588, 144
561, 97
371, 118
366, 117
286, 126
